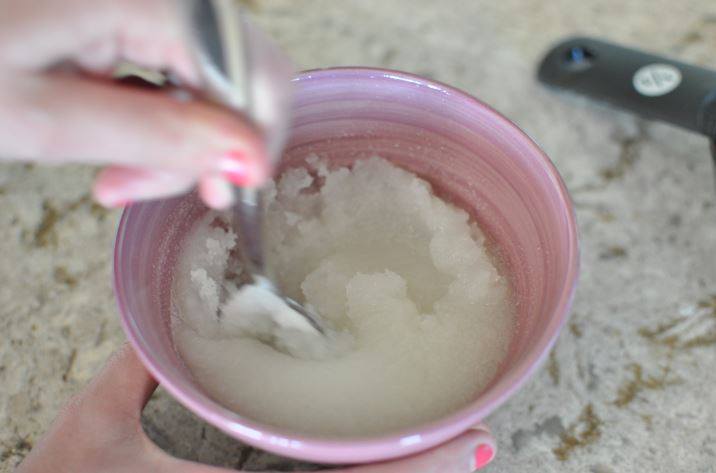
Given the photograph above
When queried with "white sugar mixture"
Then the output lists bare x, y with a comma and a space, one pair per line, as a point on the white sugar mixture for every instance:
420, 316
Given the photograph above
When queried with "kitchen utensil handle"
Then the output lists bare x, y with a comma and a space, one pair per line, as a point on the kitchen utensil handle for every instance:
217, 38
648, 85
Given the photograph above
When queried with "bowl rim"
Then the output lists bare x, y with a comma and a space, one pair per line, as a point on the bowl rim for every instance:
407, 441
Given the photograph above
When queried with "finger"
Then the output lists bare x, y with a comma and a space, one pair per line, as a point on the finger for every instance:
216, 191
35, 34
174, 465
456, 456
459, 455
57, 118
486, 449
121, 389
116, 186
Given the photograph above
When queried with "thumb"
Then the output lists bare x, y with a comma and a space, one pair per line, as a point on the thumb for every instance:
62, 118
466, 453
119, 392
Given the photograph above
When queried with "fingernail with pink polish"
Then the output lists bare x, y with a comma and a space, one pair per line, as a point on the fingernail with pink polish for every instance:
241, 171
482, 457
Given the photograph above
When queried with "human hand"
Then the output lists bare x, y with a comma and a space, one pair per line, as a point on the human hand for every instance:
99, 431
155, 145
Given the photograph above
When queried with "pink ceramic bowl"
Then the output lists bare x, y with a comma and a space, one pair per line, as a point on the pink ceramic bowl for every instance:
471, 154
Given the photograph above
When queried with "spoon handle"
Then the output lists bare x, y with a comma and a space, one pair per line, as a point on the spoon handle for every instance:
242, 69
217, 38
248, 221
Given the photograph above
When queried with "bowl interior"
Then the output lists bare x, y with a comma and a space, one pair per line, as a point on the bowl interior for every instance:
470, 154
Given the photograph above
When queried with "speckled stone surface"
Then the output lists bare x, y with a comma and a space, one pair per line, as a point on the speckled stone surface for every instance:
631, 384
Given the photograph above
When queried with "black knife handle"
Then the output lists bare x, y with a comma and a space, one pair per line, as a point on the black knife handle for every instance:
651, 86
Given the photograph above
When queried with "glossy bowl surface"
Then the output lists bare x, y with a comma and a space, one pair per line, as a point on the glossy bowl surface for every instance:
472, 155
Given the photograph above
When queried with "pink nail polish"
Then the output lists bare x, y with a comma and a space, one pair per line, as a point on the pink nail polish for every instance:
241, 171
121, 203
483, 455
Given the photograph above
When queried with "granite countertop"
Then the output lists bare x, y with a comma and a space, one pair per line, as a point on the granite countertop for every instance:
631, 383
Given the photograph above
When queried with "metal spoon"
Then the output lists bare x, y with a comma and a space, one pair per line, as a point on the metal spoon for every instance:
244, 70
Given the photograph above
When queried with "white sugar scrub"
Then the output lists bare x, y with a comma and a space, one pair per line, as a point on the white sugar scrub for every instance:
420, 316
